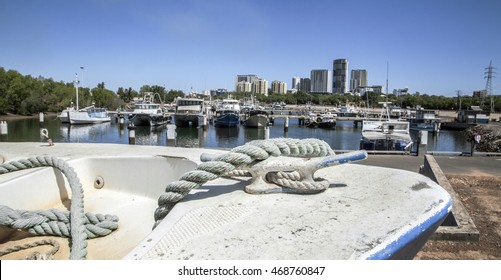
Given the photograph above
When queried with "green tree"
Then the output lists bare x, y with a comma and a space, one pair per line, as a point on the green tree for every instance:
172, 95
104, 98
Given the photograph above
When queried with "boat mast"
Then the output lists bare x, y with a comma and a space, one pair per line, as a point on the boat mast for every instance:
76, 87
385, 110
387, 70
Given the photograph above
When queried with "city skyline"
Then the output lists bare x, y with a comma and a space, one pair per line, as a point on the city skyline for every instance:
434, 47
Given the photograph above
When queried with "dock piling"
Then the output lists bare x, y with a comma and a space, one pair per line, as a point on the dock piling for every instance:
171, 135
3, 128
132, 134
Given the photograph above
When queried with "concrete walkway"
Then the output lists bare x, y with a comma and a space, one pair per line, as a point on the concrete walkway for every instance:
472, 166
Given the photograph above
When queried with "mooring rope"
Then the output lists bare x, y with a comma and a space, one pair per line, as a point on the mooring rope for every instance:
56, 222
242, 156
81, 226
36, 255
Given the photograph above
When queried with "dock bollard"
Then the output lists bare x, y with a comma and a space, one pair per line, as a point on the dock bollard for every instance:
3, 128
41, 117
121, 121
266, 132
132, 134
286, 124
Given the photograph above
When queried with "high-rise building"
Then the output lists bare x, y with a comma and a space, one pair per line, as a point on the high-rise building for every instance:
321, 81
305, 85
260, 86
295, 82
244, 86
245, 78
340, 76
358, 79
278, 87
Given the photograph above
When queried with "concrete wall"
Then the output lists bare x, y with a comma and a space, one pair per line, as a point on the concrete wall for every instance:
458, 225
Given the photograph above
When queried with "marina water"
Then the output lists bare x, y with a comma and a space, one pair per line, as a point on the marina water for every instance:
344, 137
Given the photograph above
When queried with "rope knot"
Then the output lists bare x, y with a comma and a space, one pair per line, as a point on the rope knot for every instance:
254, 158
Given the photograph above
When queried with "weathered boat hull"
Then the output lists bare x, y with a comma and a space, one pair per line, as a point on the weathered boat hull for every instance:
148, 120
256, 121
186, 120
227, 120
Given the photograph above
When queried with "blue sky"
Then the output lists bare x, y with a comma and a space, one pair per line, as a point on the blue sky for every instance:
434, 47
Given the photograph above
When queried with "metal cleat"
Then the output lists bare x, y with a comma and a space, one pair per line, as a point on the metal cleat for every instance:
292, 174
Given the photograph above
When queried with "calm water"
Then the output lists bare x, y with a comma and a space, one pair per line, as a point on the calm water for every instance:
345, 137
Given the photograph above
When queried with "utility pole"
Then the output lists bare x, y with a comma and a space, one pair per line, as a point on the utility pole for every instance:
489, 71
459, 99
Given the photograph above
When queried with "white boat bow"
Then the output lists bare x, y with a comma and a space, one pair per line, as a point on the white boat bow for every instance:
365, 213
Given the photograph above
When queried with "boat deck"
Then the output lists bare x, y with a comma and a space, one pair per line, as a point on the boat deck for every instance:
368, 212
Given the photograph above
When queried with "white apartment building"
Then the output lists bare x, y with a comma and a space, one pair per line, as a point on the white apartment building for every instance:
245, 78
278, 87
321, 81
358, 79
260, 87
244, 86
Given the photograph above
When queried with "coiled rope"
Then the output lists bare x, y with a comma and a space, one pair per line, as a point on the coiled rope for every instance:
56, 222
74, 224
239, 157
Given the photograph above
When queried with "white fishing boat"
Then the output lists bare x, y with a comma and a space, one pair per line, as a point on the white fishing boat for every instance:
188, 111
89, 115
148, 113
327, 120
386, 134
135, 210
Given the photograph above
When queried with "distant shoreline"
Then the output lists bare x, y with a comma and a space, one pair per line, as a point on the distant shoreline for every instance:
442, 113
13, 117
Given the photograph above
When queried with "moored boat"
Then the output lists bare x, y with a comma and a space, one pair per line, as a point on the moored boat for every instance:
327, 120
425, 120
256, 118
148, 113
89, 115
227, 113
386, 134
188, 111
